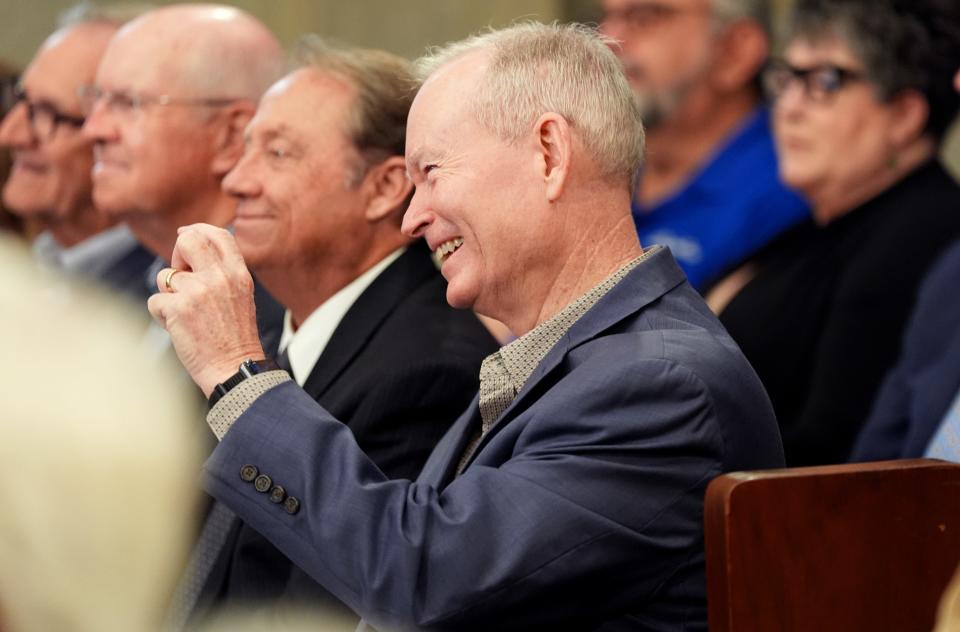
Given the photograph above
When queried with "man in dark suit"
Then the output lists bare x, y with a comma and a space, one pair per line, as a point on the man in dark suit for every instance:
569, 495
50, 178
321, 190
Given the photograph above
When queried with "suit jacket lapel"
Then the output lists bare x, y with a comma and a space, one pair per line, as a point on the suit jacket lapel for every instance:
364, 317
441, 468
646, 283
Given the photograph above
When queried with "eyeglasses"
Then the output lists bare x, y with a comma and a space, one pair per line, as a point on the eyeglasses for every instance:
44, 117
819, 83
129, 104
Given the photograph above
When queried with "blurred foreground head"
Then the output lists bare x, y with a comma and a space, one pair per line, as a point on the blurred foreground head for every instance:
104, 446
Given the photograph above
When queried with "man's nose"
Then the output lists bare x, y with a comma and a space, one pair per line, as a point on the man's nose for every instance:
99, 124
417, 218
613, 26
15, 129
239, 181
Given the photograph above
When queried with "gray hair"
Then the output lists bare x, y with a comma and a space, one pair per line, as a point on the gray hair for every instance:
568, 69
384, 86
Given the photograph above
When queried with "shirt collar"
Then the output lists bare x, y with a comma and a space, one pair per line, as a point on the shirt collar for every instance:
92, 257
522, 356
305, 344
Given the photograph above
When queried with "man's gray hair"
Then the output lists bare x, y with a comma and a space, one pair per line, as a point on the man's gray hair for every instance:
567, 69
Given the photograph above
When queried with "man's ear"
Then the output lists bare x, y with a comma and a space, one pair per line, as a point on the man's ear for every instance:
385, 186
744, 48
909, 112
554, 147
228, 143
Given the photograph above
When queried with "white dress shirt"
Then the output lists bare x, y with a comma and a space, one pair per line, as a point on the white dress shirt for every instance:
305, 344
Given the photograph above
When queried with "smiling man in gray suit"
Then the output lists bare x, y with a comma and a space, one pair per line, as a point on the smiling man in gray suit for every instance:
570, 493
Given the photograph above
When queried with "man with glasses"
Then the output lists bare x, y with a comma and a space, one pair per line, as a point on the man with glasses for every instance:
50, 178
172, 96
709, 188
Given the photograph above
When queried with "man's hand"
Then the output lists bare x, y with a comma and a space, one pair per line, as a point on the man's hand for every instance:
206, 304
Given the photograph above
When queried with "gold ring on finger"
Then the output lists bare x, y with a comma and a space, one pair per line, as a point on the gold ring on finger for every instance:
168, 277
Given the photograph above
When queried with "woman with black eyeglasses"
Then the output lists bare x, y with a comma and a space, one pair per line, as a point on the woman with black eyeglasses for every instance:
862, 98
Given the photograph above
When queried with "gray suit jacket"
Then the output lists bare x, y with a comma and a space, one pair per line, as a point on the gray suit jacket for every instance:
582, 507
398, 369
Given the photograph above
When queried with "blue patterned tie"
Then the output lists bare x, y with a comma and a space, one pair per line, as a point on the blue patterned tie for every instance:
946, 441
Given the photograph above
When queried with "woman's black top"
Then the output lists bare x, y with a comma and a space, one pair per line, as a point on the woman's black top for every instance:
821, 321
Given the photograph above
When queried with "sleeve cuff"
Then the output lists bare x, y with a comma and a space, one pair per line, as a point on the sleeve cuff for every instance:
223, 415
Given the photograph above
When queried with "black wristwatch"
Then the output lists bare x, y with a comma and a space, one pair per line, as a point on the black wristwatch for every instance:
248, 368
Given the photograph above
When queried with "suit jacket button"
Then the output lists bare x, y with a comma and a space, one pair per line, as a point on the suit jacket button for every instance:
291, 505
249, 472
262, 483
277, 494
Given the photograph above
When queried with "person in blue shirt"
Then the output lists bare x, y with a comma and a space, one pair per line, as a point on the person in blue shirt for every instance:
709, 189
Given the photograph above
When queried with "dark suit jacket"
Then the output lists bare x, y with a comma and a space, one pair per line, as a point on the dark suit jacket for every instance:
126, 275
582, 507
918, 390
398, 370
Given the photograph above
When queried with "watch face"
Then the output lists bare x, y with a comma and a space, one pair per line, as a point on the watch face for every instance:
250, 368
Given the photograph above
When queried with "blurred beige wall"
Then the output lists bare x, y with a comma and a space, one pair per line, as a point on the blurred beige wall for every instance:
404, 27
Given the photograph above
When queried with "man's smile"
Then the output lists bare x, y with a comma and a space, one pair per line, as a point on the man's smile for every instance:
447, 248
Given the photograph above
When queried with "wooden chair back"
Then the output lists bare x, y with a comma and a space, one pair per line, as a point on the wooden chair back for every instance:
868, 546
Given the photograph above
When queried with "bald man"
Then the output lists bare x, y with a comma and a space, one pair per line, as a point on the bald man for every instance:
173, 94
50, 178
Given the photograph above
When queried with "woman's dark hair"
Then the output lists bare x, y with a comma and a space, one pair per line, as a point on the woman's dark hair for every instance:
903, 45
